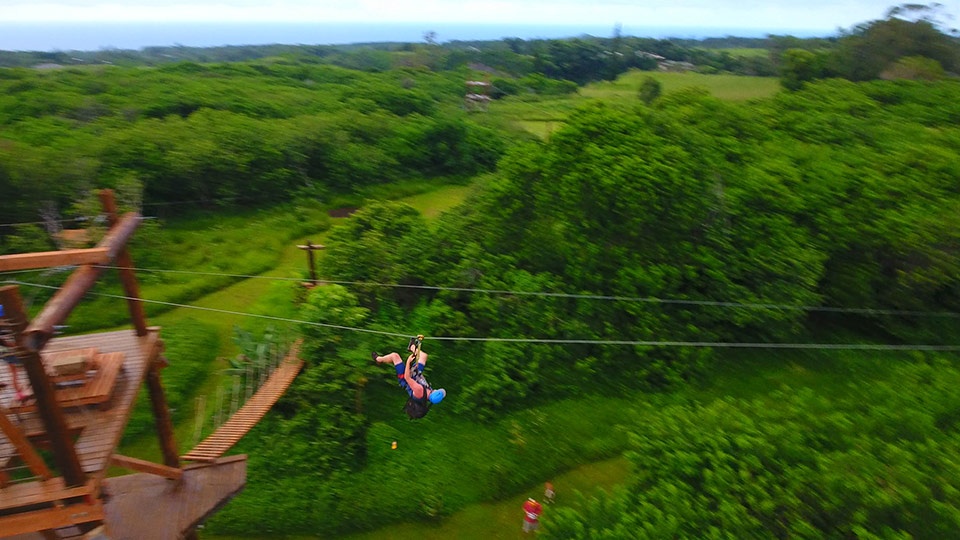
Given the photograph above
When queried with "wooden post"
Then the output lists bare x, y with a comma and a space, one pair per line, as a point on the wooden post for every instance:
43, 392
161, 415
310, 248
125, 262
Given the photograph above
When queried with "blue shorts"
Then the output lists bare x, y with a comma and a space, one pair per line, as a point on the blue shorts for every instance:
401, 370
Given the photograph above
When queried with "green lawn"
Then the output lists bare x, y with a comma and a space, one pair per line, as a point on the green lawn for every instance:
746, 52
541, 116
726, 87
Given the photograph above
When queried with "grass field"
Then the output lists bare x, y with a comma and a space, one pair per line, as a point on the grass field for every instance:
726, 87
746, 52
542, 116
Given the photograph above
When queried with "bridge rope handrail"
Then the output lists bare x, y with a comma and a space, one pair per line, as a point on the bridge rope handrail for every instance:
242, 421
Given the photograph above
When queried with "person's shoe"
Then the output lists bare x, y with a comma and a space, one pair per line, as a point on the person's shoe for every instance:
375, 355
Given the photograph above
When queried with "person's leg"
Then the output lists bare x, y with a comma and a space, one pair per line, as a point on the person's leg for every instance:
14, 380
392, 358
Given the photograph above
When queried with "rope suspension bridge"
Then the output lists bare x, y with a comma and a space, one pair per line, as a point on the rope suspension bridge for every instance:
243, 420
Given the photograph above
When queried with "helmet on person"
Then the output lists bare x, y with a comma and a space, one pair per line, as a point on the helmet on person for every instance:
437, 395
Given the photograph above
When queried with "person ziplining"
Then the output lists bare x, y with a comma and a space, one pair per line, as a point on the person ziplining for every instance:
410, 377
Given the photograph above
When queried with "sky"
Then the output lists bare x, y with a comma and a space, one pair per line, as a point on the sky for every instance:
827, 15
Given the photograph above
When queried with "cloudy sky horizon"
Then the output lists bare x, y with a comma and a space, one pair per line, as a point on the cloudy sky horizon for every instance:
808, 14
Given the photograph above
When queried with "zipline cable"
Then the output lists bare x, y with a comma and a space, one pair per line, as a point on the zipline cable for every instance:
647, 343
648, 299
66, 220
215, 310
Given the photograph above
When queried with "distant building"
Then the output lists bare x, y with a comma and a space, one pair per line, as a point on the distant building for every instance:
644, 54
672, 65
477, 97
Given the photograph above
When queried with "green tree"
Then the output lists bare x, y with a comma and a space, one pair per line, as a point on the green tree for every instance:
650, 89
797, 67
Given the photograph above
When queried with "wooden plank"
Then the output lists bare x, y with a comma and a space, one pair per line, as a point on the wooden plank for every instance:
144, 466
51, 518
41, 492
23, 446
49, 259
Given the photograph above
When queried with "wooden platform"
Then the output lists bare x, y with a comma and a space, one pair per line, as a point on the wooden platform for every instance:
251, 412
147, 507
48, 502
98, 431
173, 508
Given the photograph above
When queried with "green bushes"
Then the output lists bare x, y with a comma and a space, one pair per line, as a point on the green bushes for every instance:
876, 463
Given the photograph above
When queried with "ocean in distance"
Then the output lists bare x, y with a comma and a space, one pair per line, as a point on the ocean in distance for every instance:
89, 36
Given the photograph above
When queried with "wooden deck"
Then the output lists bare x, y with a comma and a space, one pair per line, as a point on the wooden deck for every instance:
148, 507
172, 508
98, 431
47, 502
250, 413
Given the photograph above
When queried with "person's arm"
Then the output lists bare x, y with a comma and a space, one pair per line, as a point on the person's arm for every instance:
415, 387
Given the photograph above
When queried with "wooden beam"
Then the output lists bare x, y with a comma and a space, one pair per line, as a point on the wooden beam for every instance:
125, 263
58, 308
36, 494
49, 259
23, 446
44, 393
52, 518
148, 467
161, 415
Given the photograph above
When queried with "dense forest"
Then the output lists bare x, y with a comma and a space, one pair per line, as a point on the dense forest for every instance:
814, 215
